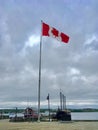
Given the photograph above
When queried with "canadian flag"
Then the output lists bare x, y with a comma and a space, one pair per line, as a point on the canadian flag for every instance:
50, 31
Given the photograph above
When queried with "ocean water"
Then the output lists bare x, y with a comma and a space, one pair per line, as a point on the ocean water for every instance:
74, 115
84, 115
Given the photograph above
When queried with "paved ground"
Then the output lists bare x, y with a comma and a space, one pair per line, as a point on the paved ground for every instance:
6, 125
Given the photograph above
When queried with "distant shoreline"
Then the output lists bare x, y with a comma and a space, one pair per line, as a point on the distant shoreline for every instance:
8, 110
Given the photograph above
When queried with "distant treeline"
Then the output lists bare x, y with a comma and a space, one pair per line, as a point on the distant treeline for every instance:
11, 110
74, 110
44, 110
84, 110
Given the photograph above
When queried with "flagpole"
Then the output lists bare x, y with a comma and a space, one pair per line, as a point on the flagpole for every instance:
39, 82
49, 105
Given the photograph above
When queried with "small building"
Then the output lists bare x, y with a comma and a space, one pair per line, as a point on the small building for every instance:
30, 114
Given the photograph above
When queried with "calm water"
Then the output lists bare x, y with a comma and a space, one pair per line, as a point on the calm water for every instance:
84, 115
74, 115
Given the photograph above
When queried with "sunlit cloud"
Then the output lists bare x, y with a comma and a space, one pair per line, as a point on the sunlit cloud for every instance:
91, 39
32, 40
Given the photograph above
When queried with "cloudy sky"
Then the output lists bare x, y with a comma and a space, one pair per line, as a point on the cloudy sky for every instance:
71, 67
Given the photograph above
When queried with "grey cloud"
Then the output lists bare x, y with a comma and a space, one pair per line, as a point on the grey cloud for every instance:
19, 68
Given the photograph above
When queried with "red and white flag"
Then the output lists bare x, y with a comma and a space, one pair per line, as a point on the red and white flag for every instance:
50, 31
